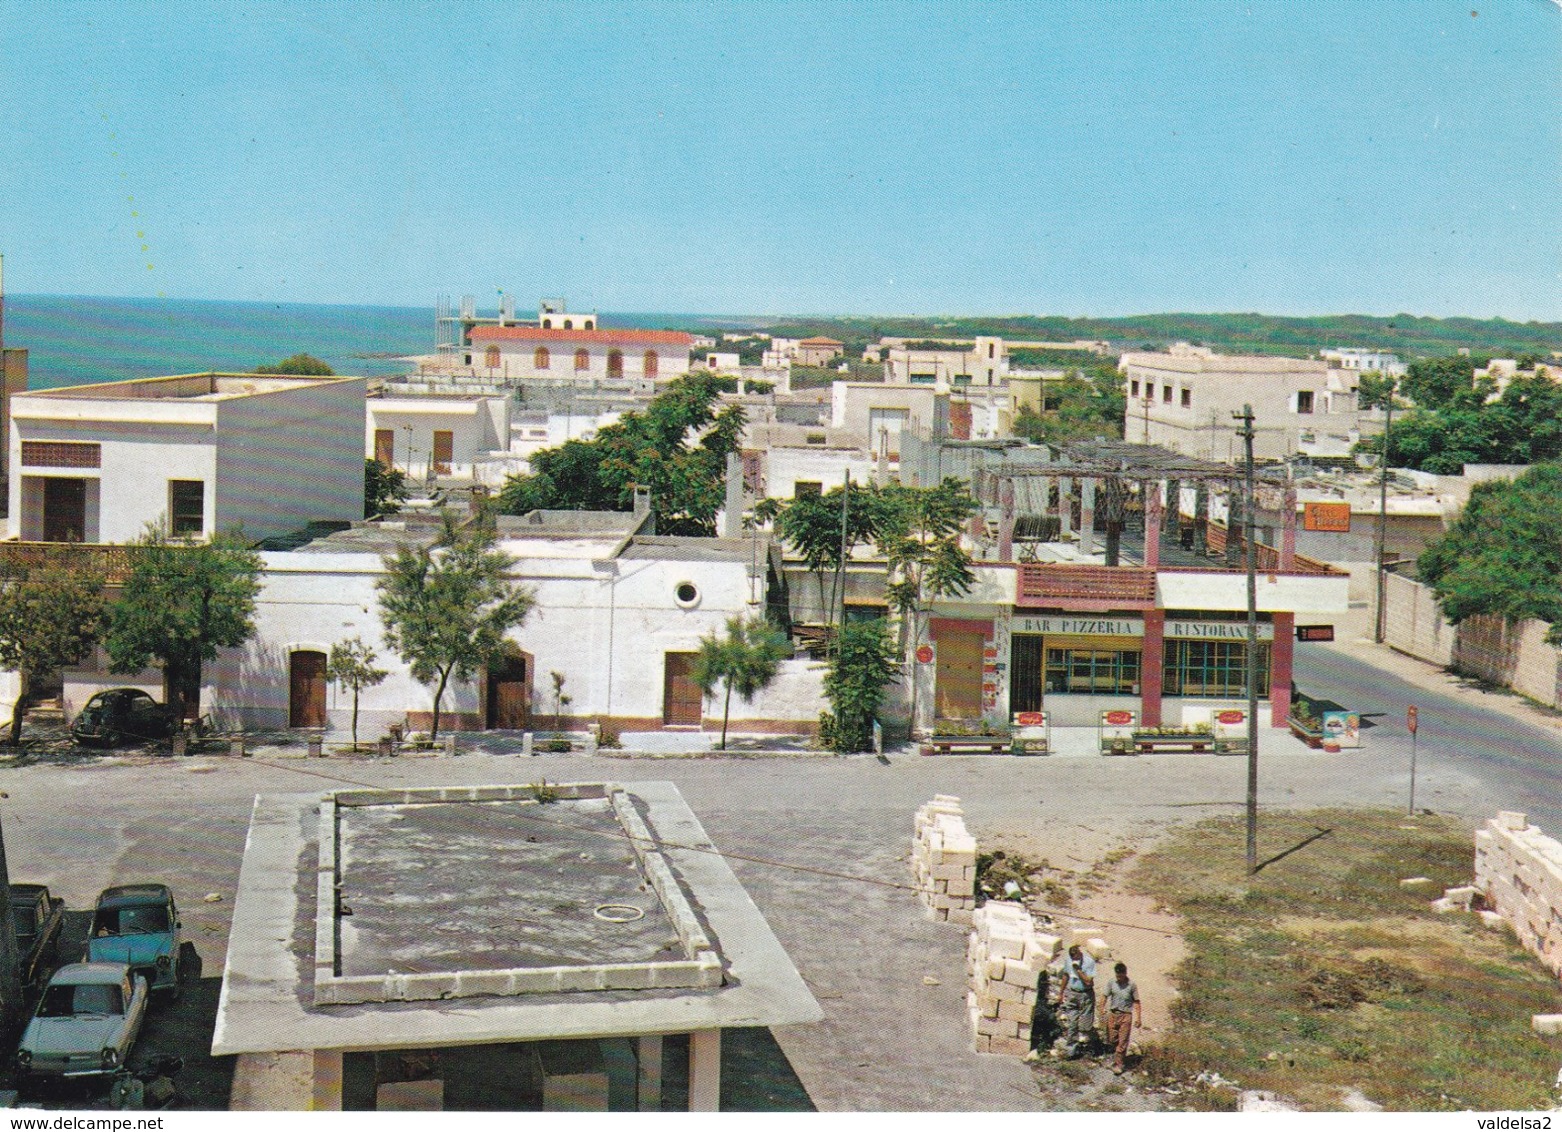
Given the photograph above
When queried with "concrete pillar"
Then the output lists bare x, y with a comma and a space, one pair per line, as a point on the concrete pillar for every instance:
1280, 668
705, 1071
1234, 524
1087, 516
1288, 529
1065, 506
1154, 515
1151, 667
1174, 510
1201, 518
648, 1059
1006, 520
327, 1091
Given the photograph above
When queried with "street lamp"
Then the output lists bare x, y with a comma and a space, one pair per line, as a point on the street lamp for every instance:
1251, 678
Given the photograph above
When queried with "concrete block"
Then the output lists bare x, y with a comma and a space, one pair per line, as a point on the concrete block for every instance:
1464, 895
994, 969
1443, 906
1007, 992
1010, 1047
1014, 1012
1492, 920
1549, 1024
1007, 947
960, 916
1415, 882
1097, 948
1512, 819
992, 1026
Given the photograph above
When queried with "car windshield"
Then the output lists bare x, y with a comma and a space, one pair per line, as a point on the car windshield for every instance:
130, 921
66, 1001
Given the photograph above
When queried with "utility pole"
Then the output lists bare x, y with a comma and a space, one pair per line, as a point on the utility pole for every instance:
1388, 423
1249, 550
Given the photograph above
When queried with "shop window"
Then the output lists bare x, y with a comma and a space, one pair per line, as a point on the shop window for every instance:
186, 508
541, 358
1099, 672
1211, 668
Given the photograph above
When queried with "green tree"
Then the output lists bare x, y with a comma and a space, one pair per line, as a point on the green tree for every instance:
811, 525
51, 615
676, 448
1084, 404
1433, 382
864, 663
920, 537
384, 489
299, 365
351, 668
447, 606
182, 602
1503, 555
746, 659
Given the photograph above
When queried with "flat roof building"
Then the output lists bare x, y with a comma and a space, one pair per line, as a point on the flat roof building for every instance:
490, 948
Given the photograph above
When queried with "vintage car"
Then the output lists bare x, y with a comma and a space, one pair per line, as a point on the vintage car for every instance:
138, 925
86, 1022
122, 715
38, 918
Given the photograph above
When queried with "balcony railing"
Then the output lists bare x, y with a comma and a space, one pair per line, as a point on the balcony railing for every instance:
1044, 583
113, 560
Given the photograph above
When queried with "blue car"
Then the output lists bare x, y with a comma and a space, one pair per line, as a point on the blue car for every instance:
138, 925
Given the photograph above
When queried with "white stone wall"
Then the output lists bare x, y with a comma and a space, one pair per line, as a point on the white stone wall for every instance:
1004, 960
477, 427
943, 860
1518, 869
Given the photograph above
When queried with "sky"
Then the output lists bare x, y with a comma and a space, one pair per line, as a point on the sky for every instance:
1093, 157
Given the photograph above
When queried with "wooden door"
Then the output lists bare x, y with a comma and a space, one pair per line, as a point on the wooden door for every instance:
509, 695
385, 446
683, 703
958, 690
306, 690
444, 450
64, 509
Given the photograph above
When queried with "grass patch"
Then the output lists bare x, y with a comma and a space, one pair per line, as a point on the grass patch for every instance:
1321, 973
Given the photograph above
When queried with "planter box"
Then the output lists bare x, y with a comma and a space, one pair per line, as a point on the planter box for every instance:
1312, 736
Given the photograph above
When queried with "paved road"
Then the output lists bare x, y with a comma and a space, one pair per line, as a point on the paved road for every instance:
820, 843
1511, 748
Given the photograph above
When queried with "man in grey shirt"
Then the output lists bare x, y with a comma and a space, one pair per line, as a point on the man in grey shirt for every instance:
1077, 998
1123, 1013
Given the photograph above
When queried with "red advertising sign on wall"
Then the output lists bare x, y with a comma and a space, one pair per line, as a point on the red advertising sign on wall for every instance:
1230, 716
1117, 718
1326, 516
924, 654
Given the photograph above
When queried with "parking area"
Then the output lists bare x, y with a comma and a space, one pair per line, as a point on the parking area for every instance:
820, 843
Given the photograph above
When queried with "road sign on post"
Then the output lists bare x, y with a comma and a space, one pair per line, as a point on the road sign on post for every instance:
1410, 719
1410, 722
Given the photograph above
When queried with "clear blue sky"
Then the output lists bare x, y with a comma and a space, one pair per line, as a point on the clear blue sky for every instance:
1086, 158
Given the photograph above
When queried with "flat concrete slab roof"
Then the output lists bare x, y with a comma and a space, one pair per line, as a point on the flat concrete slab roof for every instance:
396, 919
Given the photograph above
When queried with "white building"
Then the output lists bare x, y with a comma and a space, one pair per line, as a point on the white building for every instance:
1185, 400
1365, 361
457, 436
526, 353
955, 365
193, 454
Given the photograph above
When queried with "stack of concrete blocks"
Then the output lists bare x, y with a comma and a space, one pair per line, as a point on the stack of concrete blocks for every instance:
1004, 959
1518, 869
943, 860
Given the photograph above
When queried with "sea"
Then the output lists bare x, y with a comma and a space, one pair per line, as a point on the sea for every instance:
76, 340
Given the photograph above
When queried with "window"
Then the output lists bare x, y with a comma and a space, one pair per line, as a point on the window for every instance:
1133, 388
1166, 394
686, 594
1304, 401
61, 454
1102, 672
651, 361
924, 379
582, 360
444, 450
961, 379
569, 324
541, 358
1211, 668
615, 363
491, 357
807, 487
992, 351
186, 507
1187, 398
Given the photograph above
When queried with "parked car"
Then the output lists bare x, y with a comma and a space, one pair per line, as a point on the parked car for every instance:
119, 715
86, 1022
138, 925
38, 918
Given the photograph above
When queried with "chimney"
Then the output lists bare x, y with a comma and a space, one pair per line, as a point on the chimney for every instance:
732, 519
642, 501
